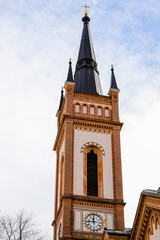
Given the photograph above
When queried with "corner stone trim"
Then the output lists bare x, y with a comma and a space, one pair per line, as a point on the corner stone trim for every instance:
88, 144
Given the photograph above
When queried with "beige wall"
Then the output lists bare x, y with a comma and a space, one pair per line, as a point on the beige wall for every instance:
82, 137
156, 234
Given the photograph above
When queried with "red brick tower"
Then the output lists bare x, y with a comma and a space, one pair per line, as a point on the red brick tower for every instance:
89, 190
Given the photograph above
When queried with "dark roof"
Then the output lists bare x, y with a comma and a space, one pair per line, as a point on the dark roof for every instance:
61, 100
70, 74
152, 192
113, 85
86, 74
117, 232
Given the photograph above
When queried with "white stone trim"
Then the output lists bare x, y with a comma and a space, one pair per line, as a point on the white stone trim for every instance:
87, 144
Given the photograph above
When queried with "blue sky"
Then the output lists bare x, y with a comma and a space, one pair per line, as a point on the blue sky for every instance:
37, 39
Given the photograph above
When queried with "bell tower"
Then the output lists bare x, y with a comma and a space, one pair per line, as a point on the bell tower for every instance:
89, 189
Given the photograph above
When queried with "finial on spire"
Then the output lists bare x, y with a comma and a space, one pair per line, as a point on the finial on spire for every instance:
70, 75
61, 101
113, 86
86, 76
86, 6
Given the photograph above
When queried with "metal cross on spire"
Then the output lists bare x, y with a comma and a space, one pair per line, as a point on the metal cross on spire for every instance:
86, 6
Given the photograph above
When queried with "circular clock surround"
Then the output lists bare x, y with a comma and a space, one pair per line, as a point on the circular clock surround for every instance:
93, 221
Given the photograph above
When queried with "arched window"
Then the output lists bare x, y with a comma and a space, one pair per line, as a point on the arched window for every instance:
60, 231
92, 174
84, 109
106, 112
92, 171
77, 108
92, 110
62, 177
99, 111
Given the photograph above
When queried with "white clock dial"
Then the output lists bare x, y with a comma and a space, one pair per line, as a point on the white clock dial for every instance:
94, 222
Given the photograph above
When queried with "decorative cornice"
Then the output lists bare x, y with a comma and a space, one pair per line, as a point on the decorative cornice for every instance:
94, 199
149, 206
93, 128
95, 98
88, 124
144, 223
85, 204
153, 221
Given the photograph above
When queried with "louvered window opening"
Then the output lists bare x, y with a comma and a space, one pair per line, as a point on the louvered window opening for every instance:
92, 174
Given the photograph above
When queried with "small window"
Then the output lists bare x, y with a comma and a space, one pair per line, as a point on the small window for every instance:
91, 110
99, 111
106, 112
84, 109
77, 108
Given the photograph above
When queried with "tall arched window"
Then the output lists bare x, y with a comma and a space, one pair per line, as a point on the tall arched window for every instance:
92, 171
62, 177
92, 174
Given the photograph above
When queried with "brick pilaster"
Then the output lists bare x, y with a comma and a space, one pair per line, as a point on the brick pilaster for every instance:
115, 108
67, 218
68, 159
119, 218
117, 168
69, 97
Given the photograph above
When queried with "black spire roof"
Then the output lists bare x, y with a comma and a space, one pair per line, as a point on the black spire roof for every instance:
70, 75
86, 74
61, 100
113, 85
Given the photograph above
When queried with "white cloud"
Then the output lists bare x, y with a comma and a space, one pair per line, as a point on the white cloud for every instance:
37, 39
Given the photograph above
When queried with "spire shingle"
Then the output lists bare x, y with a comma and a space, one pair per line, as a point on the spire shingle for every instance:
113, 86
70, 74
86, 74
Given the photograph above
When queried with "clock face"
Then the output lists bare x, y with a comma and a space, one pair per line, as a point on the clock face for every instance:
94, 222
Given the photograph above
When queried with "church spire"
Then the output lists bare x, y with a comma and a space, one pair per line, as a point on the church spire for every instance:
70, 75
86, 74
113, 86
61, 100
